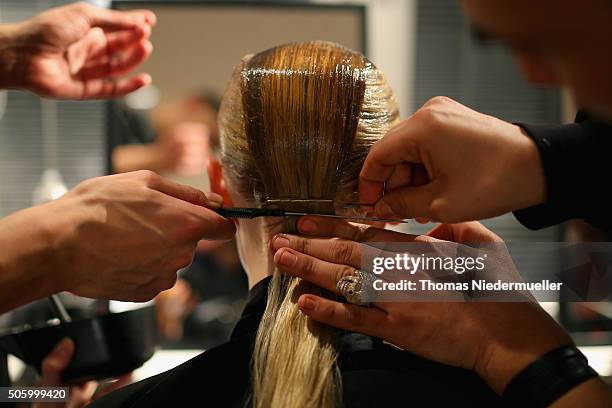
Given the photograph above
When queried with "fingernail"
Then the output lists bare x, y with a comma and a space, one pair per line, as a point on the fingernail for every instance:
287, 258
279, 241
383, 210
306, 304
214, 199
63, 347
307, 226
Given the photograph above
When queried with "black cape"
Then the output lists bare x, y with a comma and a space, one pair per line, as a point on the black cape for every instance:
374, 374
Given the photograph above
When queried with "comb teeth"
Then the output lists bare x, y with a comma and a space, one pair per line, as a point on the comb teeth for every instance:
239, 212
235, 212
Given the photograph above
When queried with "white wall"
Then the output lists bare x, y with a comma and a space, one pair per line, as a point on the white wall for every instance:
391, 26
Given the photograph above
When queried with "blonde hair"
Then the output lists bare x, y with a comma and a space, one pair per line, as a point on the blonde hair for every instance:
296, 123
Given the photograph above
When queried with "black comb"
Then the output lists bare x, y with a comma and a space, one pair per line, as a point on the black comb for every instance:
249, 213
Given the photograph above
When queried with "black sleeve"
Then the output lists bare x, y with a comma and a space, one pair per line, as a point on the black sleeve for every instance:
125, 126
577, 166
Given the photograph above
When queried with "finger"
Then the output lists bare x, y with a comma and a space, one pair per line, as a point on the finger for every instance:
97, 47
56, 362
81, 395
206, 224
121, 40
181, 191
117, 64
401, 177
325, 227
465, 232
117, 42
114, 19
321, 273
78, 52
120, 382
396, 147
105, 88
338, 251
199, 222
367, 320
409, 202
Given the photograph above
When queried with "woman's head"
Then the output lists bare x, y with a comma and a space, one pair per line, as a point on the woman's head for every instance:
296, 123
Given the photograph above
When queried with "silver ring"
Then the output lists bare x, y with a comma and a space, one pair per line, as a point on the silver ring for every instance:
356, 288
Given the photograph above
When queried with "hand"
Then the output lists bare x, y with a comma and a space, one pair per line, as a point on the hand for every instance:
449, 163
77, 52
80, 395
124, 236
497, 340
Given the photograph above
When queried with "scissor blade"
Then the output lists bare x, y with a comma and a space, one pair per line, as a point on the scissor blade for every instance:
347, 217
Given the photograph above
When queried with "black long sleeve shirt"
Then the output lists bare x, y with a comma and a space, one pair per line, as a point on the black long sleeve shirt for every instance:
577, 160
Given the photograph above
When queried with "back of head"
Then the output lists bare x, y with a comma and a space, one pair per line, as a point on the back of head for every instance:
296, 124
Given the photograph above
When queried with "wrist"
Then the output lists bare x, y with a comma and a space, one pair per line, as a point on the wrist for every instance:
27, 271
549, 378
63, 218
13, 57
501, 360
529, 164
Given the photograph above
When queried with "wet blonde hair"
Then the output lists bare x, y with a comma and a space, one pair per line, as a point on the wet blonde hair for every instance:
296, 123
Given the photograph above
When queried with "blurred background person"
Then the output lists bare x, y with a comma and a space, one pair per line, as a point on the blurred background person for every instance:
177, 138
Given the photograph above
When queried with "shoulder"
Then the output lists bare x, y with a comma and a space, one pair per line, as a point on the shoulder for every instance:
218, 377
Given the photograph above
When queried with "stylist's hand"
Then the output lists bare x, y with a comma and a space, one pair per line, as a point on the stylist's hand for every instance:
449, 163
52, 368
497, 340
77, 52
125, 236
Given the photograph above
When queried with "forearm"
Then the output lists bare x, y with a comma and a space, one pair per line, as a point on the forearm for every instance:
508, 359
27, 261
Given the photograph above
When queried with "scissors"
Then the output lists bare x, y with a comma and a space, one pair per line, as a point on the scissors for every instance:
250, 213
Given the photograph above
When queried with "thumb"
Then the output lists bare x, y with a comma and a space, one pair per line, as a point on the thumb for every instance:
56, 362
407, 202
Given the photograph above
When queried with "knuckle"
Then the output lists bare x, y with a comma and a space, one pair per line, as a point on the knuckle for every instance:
183, 261
306, 265
86, 185
328, 312
439, 210
429, 115
167, 283
344, 251
150, 178
349, 231
399, 206
300, 244
82, 7
354, 316
344, 271
440, 100
368, 233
